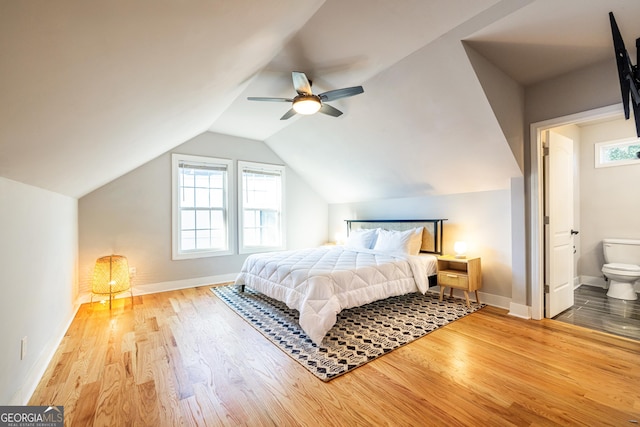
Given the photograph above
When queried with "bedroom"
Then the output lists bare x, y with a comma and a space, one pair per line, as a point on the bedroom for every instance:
102, 181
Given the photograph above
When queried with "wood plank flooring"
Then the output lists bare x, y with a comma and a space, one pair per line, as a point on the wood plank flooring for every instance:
593, 309
184, 358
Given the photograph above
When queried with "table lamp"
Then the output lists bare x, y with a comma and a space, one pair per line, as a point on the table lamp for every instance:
460, 248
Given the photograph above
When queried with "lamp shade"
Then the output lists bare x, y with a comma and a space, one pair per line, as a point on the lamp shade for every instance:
111, 275
460, 248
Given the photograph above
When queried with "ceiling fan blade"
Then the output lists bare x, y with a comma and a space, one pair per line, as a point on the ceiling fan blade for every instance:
301, 83
288, 114
260, 98
329, 110
332, 95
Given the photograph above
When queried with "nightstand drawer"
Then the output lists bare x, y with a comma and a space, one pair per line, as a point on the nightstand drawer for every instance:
447, 278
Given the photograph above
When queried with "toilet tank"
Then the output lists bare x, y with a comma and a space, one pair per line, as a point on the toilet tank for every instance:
624, 251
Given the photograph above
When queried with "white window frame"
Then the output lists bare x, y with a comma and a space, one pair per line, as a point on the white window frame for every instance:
600, 146
228, 209
267, 168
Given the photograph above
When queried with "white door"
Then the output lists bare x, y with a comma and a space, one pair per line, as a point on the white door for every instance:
558, 167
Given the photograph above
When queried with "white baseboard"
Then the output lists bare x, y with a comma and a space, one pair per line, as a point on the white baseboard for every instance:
593, 281
494, 300
23, 395
517, 310
489, 299
174, 285
524, 311
601, 283
520, 310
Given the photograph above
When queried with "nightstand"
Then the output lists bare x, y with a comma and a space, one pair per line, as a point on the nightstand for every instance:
459, 273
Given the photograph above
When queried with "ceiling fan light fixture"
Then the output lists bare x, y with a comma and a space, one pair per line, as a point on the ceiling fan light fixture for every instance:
306, 104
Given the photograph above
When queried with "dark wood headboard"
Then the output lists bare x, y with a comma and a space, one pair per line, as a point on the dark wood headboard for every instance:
431, 236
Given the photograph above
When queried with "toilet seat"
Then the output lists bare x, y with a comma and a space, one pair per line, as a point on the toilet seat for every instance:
622, 269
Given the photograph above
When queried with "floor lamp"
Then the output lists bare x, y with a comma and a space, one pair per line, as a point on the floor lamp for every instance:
111, 277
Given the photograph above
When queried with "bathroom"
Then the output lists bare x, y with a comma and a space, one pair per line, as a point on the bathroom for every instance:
606, 205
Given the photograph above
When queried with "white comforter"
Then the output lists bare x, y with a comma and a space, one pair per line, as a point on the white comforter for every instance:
321, 282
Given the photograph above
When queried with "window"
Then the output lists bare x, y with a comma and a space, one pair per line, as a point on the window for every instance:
617, 153
201, 217
261, 202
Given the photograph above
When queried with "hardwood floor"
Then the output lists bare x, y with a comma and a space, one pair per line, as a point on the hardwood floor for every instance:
184, 358
594, 310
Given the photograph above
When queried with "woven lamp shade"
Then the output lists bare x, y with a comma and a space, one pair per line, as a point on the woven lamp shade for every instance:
111, 276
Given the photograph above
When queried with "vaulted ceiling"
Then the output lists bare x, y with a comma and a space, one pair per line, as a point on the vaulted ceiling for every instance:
92, 90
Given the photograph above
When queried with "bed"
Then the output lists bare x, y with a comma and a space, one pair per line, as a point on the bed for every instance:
380, 259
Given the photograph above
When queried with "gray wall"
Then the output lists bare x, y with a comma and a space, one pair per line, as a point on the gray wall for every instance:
590, 88
482, 219
610, 202
38, 249
131, 216
506, 98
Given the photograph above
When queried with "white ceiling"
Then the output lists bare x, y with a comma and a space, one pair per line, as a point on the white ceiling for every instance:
91, 90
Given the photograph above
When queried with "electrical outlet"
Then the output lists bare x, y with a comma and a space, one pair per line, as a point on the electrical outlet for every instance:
132, 271
23, 348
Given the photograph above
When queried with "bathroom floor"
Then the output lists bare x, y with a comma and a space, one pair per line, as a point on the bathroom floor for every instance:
594, 310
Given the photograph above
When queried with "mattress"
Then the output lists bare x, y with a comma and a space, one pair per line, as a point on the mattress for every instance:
321, 282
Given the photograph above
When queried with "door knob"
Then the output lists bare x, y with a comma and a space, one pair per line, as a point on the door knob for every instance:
574, 232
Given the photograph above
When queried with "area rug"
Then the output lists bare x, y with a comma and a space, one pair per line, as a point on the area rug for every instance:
359, 336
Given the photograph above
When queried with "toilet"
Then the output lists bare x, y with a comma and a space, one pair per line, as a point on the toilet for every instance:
622, 268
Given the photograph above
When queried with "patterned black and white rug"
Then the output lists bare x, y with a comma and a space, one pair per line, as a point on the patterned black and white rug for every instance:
360, 335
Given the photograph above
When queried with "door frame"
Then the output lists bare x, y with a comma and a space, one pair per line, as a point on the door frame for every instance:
536, 197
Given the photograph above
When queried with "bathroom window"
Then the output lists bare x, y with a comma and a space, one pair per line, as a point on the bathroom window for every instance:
617, 153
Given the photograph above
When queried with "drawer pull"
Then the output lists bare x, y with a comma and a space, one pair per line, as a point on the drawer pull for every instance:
452, 275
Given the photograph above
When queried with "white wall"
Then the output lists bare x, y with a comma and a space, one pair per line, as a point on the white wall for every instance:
131, 216
482, 219
610, 203
38, 249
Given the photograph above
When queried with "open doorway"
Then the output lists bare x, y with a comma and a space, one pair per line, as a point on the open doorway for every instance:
537, 214
601, 219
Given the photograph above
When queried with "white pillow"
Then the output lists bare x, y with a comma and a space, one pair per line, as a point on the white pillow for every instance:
361, 239
407, 242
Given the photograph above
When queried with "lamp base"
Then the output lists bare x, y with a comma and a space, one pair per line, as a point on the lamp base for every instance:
112, 296
461, 256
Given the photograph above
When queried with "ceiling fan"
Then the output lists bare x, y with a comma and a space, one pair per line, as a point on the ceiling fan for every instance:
306, 102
